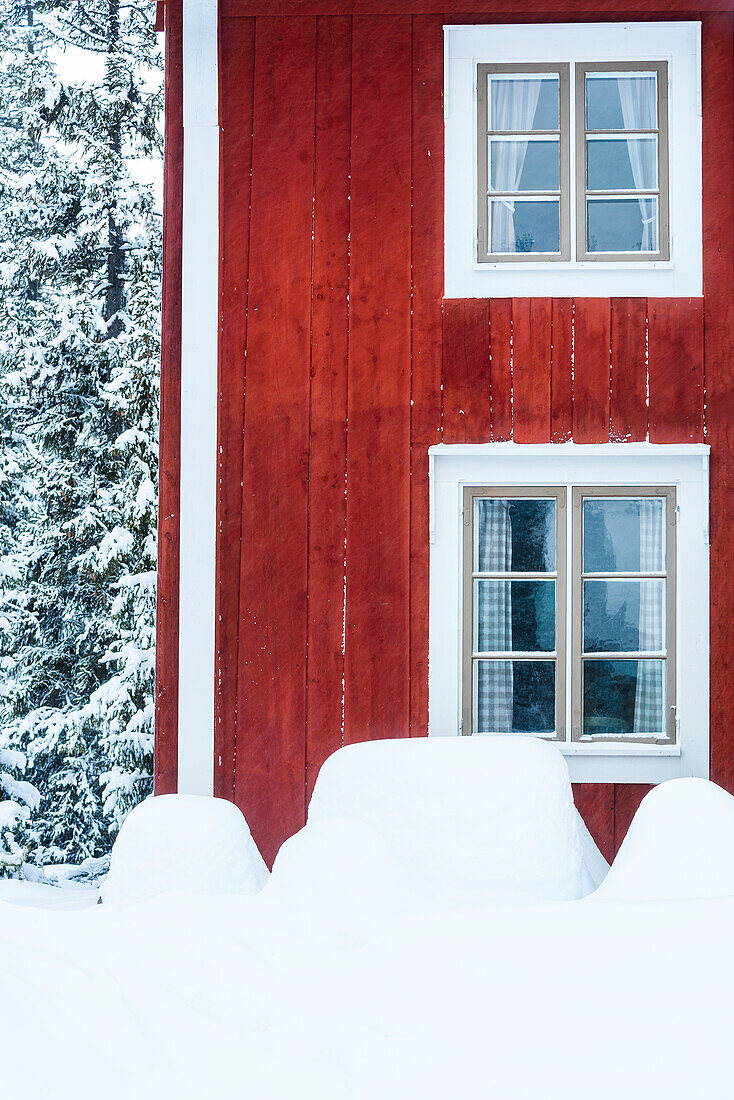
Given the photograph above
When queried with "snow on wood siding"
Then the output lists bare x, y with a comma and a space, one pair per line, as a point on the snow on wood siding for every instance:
340, 365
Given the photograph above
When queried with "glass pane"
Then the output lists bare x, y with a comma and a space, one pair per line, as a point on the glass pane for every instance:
523, 102
524, 226
523, 165
514, 536
624, 534
624, 698
514, 615
622, 225
515, 696
622, 164
621, 101
624, 616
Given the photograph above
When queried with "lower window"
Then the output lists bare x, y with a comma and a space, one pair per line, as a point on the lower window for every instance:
570, 600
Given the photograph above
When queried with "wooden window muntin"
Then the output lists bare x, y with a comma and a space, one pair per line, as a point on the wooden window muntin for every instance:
579, 656
569, 578
472, 657
661, 192
484, 134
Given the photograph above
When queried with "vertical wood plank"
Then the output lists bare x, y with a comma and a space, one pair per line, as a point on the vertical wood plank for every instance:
329, 350
591, 370
500, 367
718, 279
531, 369
629, 369
271, 728
627, 798
426, 341
466, 402
595, 803
562, 370
378, 441
237, 46
675, 340
169, 494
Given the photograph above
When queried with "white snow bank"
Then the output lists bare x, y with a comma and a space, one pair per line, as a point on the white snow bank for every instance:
183, 842
680, 845
336, 870
493, 816
594, 861
189, 996
39, 895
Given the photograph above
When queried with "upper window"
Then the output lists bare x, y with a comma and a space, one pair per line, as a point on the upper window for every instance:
523, 162
622, 161
620, 148
577, 173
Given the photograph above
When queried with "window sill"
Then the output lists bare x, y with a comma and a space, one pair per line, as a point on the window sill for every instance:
616, 749
639, 266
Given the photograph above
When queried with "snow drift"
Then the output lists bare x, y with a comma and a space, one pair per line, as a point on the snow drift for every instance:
680, 845
183, 842
492, 817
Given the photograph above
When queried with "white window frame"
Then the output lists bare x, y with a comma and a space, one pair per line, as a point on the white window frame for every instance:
685, 466
679, 44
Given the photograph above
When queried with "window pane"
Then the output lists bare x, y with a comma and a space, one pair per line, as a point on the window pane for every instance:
523, 102
624, 698
621, 101
514, 536
523, 226
622, 164
624, 534
524, 165
622, 225
624, 616
514, 615
515, 696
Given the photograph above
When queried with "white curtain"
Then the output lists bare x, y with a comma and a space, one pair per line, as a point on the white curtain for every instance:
494, 617
649, 694
513, 106
639, 108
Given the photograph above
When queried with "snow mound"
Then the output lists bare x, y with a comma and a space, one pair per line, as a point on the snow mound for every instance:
493, 816
183, 842
337, 866
594, 861
680, 845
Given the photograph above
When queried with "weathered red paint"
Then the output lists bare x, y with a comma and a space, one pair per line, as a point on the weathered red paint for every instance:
327, 517
628, 402
426, 359
271, 683
466, 406
561, 370
531, 369
355, 366
166, 673
718, 280
236, 73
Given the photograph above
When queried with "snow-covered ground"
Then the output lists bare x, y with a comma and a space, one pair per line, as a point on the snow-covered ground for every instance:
348, 979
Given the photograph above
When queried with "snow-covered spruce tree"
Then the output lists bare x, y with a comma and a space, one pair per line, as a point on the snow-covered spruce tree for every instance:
27, 219
83, 368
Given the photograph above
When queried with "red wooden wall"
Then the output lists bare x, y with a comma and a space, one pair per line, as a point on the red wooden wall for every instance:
166, 686
340, 364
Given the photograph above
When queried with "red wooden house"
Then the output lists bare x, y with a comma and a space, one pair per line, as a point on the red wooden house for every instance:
448, 335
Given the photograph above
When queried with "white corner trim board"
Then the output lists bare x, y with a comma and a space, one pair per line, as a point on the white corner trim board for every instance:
465, 46
199, 326
451, 467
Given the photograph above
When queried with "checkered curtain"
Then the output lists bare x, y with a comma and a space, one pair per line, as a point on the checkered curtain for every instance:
649, 694
494, 617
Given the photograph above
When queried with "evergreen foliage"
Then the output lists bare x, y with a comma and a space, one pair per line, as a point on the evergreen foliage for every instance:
79, 351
